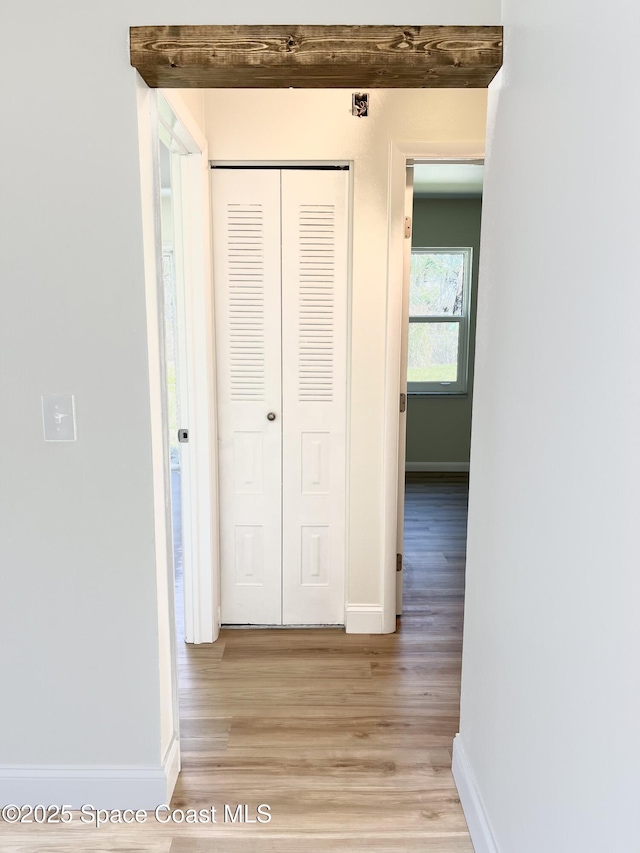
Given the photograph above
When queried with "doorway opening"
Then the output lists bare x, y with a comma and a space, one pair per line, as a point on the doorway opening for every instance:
358, 693
444, 200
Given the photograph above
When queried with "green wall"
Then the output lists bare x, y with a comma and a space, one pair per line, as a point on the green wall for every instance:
439, 428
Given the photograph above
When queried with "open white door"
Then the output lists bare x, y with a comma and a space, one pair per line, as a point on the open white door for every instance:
188, 343
402, 432
175, 276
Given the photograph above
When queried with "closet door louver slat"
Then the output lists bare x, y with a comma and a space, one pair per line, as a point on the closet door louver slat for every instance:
245, 252
316, 305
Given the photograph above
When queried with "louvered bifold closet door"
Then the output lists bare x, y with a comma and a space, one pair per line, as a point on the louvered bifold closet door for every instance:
314, 384
247, 295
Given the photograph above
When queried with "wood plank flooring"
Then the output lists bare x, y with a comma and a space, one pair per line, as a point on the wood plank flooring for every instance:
346, 737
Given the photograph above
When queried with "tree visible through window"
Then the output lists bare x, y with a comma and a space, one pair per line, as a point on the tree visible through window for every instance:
439, 320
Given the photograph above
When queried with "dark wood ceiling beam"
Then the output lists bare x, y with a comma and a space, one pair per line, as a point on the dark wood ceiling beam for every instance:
316, 57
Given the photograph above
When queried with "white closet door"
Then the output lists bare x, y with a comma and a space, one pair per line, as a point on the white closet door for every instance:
247, 293
314, 377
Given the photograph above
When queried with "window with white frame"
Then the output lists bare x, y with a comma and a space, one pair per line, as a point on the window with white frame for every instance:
439, 301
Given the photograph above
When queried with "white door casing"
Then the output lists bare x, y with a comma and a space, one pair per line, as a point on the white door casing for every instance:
280, 284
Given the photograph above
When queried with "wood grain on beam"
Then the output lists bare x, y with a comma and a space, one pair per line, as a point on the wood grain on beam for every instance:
306, 57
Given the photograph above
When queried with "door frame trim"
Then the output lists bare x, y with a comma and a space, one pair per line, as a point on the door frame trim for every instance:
400, 153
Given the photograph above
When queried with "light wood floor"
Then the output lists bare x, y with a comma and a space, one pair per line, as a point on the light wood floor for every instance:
346, 737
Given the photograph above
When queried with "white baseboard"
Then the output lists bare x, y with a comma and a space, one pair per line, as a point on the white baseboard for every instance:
436, 466
479, 829
363, 619
171, 765
105, 787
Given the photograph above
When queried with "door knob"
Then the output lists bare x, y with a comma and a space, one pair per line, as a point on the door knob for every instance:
271, 416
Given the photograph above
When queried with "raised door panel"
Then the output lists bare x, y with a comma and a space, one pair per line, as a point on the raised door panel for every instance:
247, 304
314, 372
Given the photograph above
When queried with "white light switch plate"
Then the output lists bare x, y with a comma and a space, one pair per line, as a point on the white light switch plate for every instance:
59, 417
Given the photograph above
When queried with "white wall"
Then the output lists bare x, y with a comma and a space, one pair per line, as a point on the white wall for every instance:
80, 659
194, 101
317, 125
550, 688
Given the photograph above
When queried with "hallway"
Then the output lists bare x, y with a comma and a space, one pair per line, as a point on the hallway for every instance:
347, 737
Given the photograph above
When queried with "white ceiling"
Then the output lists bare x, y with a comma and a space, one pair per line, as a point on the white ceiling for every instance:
442, 180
